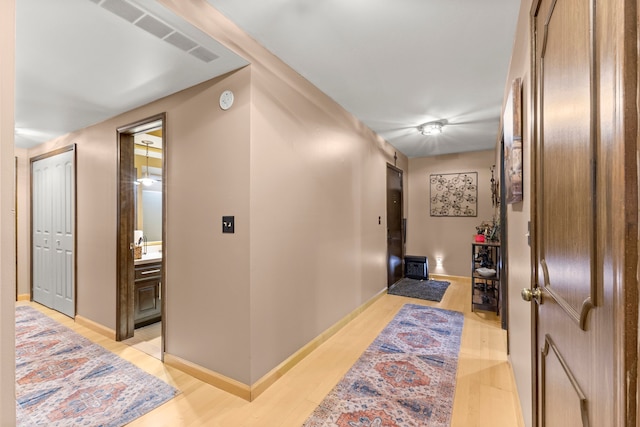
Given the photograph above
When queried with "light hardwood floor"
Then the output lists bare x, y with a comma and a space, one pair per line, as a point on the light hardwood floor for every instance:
485, 388
147, 339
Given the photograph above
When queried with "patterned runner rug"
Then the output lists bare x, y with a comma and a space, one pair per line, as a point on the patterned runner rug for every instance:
405, 378
63, 379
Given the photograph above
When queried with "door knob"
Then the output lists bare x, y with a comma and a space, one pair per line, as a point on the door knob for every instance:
532, 294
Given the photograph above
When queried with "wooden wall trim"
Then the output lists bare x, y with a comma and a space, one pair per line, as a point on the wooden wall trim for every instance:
96, 327
210, 377
250, 393
448, 276
52, 153
267, 380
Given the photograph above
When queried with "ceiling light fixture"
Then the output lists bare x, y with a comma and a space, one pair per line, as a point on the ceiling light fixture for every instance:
146, 180
432, 128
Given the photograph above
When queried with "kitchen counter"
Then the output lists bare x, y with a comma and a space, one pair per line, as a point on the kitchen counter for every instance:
149, 258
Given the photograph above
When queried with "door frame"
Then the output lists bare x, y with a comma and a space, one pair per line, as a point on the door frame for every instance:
73, 148
402, 222
126, 224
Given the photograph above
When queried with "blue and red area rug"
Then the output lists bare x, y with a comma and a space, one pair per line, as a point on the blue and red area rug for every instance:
405, 378
63, 379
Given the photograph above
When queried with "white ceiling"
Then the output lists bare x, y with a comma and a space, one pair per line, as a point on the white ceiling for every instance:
393, 64
396, 64
78, 63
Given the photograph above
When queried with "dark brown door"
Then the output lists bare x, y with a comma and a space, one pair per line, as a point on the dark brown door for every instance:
585, 213
125, 276
395, 243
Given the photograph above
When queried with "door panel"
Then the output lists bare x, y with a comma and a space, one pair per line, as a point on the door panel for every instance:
126, 205
63, 235
580, 240
567, 187
395, 242
565, 212
564, 398
42, 214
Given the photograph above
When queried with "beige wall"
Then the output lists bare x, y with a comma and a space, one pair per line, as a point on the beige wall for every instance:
305, 182
317, 187
207, 177
446, 237
95, 220
317, 190
208, 272
518, 215
7, 214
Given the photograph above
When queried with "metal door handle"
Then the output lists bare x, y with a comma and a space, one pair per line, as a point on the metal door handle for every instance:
534, 294
150, 271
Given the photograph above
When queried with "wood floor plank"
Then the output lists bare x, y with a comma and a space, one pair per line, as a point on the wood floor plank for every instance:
485, 388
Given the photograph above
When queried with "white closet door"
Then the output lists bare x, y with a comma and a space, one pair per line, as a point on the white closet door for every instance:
53, 230
42, 180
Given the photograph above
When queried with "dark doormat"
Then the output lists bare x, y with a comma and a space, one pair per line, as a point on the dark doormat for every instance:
431, 290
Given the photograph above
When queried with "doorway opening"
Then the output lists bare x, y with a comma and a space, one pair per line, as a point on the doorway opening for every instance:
141, 235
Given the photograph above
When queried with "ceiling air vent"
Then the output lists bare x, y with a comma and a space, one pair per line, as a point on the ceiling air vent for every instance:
144, 20
155, 27
123, 9
181, 42
203, 54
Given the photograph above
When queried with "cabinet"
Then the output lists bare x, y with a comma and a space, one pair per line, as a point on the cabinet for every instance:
146, 289
485, 288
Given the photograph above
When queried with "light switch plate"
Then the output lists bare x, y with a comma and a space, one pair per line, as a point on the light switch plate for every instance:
228, 224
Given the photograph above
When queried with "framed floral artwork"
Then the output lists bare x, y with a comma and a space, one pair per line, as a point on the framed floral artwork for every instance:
454, 194
512, 134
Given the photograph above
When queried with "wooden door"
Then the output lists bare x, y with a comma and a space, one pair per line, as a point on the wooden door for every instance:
53, 230
395, 241
125, 294
585, 213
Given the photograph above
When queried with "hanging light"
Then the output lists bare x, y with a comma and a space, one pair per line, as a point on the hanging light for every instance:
146, 180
